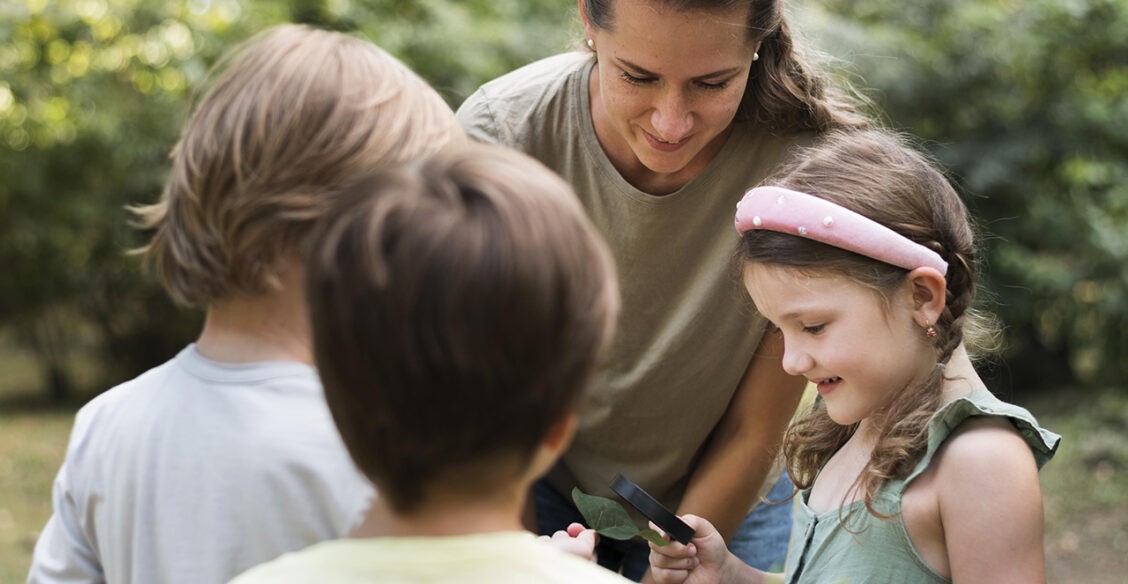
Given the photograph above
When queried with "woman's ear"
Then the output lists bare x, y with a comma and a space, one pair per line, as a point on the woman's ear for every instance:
929, 289
583, 18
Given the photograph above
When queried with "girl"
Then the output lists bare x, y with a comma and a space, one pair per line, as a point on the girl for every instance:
911, 471
673, 106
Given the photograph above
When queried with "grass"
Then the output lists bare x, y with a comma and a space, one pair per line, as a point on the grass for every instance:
1085, 487
31, 448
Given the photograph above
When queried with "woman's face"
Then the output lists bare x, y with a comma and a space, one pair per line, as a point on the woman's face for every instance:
666, 87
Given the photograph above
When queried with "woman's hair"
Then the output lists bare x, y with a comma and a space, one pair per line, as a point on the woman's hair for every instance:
881, 176
785, 91
458, 308
297, 115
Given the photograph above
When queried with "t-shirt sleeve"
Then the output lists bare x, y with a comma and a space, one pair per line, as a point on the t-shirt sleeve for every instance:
64, 552
477, 117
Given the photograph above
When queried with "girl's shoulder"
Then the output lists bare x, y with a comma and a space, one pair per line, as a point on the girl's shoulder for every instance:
985, 447
978, 427
988, 499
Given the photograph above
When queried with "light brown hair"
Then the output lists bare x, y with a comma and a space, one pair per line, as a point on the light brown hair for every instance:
785, 91
297, 115
884, 177
458, 308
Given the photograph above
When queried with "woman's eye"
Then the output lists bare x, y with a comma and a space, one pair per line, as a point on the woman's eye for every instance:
635, 79
813, 329
714, 86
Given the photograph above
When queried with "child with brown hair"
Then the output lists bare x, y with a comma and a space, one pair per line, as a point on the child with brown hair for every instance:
862, 256
458, 308
226, 456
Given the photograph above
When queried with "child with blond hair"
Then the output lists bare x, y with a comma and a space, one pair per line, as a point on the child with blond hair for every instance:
226, 456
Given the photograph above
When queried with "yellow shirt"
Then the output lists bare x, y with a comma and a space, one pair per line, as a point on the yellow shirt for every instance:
514, 557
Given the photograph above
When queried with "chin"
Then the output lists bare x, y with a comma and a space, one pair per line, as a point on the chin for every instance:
842, 418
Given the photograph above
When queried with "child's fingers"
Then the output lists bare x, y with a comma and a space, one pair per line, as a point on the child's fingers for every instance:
672, 562
575, 529
667, 576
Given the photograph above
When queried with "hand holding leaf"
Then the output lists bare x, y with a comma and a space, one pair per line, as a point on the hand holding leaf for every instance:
608, 518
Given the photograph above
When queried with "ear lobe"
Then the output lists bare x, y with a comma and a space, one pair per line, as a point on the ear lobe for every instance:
929, 288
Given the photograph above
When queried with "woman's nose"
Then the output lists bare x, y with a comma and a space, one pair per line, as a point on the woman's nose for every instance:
671, 118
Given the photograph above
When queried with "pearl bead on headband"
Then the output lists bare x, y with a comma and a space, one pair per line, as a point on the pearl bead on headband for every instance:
787, 211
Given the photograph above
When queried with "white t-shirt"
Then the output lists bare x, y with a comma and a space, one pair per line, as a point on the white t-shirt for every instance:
194, 472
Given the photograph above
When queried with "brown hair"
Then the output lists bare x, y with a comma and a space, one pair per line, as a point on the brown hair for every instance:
784, 92
881, 176
296, 116
458, 309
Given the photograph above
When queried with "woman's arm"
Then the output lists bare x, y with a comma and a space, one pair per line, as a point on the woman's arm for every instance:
991, 505
744, 444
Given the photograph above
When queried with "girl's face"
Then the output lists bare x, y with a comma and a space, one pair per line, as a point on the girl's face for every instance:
858, 349
666, 87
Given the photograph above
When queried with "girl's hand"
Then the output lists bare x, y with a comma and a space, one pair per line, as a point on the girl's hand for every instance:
576, 540
705, 560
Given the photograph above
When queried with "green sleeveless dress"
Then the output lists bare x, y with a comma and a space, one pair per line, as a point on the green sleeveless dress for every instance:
824, 551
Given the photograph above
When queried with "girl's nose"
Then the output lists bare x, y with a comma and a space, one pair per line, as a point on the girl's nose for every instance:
796, 361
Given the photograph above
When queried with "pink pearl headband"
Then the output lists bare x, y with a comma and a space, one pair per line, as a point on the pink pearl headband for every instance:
787, 211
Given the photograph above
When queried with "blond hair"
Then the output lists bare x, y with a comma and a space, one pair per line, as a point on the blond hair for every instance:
297, 115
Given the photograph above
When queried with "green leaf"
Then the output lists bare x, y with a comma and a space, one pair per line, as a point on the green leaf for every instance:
608, 518
653, 537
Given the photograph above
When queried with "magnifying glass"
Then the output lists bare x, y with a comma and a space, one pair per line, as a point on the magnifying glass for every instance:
652, 509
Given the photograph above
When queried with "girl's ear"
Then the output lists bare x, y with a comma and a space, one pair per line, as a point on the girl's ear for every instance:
929, 295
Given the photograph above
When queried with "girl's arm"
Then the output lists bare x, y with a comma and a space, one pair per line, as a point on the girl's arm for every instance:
744, 444
705, 560
991, 505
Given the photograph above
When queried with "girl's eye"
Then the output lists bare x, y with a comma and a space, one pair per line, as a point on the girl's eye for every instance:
813, 329
635, 80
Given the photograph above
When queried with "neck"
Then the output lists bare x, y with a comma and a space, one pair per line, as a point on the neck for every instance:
273, 326
446, 515
960, 377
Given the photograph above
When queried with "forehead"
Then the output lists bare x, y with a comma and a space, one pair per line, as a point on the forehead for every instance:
657, 30
781, 291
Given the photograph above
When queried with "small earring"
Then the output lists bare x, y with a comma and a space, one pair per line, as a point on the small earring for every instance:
755, 56
591, 44
930, 332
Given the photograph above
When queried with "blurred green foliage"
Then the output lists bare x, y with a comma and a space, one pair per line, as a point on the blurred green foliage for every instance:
92, 97
1024, 100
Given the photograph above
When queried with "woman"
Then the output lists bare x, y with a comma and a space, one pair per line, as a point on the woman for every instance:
676, 108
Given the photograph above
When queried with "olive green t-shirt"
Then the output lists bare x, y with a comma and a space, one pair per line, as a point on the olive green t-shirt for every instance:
687, 329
